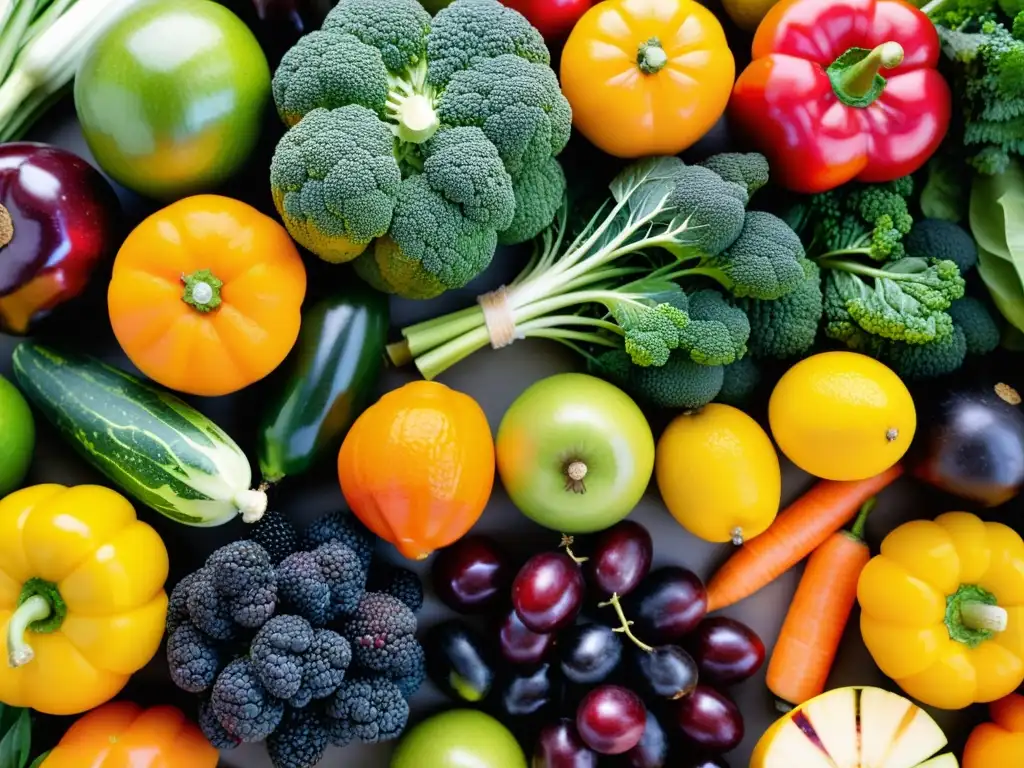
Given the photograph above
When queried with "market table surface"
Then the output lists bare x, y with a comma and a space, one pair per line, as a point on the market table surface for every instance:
494, 379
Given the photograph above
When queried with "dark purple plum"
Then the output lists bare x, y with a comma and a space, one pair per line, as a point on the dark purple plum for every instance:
472, 575
621, 559
726, 651
548, 592
559, 746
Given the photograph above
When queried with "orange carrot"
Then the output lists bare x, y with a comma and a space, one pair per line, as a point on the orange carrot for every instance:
797, 531
814, 625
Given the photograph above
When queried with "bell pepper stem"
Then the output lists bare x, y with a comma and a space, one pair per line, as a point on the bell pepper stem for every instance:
855, 75
19, 652
6, 227
651, 57
977, 615
202, 290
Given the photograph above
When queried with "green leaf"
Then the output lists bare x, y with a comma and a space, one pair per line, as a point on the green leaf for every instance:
15, 745
651, 170
38, 762
995, 211
943, 194
1004, 286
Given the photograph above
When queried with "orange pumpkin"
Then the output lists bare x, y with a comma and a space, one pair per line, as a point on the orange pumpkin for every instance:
417, 467
123, 735
999, 744
205, 295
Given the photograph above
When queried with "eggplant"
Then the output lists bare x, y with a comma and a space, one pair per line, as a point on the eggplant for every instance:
459, 662
970, 443
330, 378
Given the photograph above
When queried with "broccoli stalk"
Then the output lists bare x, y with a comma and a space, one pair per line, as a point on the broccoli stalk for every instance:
410, 105
616, 285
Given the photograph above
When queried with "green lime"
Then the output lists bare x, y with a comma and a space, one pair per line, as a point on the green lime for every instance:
17, 437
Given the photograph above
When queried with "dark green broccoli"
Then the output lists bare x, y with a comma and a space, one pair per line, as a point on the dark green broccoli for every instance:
678, 384
717, 331
242, 705
244, 578
192, 658
322, 585
343, 527
943, 240
214, 732
409, 681
300, 741
371, 709
398, 29
652, 323
277, 654
276, 534
464, 166
712, 208
406, 586
925, 361
869, 220
748, 169
739, 381
981, 332
382, 632
786, 328
539, 193
177, 604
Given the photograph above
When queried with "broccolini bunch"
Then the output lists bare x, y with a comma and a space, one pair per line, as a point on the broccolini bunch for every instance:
283, 643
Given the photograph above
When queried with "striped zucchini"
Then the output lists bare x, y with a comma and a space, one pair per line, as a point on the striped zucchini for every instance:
154, 446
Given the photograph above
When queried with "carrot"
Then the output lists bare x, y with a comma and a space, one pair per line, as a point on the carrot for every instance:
797, 531
821, 607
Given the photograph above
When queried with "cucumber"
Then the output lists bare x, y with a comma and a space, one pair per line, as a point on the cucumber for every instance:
151, 444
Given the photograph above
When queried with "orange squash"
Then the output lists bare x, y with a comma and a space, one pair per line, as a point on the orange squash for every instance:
205, 295
122, 734
417, 467
999, 744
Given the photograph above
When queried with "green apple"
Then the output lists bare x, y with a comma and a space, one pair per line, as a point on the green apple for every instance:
17, 437
575, 453
459, 738
172, 97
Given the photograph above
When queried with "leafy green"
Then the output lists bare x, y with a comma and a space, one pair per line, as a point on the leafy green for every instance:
997, 223
16, 738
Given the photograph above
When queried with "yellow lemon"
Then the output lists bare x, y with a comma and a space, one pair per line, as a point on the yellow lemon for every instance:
842, 416
718, 474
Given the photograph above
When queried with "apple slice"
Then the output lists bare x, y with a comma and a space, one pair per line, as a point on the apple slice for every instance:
896, 733
833, 720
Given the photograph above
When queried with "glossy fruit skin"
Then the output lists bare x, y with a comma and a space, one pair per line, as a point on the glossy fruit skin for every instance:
611, 719
17, 437
63, 230
213, 349
667, 605
331, 377
653, 749
726, 651
519, 645
559, 746
710, 720
552, 18
451, 738
145, 737
186, 115
566, 418
417, 467
589, 653
972, 444
459, 661
548, 591
842, 416
1001, 741
667, 671
718, 474
620, 559
528, 691
472, 575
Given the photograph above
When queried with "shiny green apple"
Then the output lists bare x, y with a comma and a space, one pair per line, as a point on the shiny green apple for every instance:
172, 97
575, 453
459, 738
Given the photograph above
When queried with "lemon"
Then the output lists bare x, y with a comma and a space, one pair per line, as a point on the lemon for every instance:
718, 474
842, 416
17, 437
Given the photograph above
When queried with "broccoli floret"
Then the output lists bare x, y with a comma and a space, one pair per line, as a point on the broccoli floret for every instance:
334, 178
276, 534
300, 741
981, 332
943, 240
245, 580
715, 209
343, 527
329, 70
409, 682
517, 104
397, 28
469, 30
764, 262
373, 709
885, 202
652, 323
382, 632
242, 705
193, 659
277, 654
787, 327
406, 586
323, 584
748, 169
678, 384
431, 247
539, 192
177, 604
465, 167
925, 361
739, 380
207, 609
324, 667
214, 732
871, 220
717, 332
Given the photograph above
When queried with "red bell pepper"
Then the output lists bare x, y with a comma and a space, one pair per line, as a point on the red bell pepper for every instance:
842, 90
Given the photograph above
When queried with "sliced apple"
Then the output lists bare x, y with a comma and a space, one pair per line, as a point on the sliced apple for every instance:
896, 733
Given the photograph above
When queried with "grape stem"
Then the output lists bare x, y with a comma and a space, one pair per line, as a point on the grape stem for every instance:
567, 546
626, 623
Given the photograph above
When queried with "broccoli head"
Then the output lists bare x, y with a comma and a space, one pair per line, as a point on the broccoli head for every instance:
342, 527
397, 29
981, 332
652, 316
242, 705
739, 381
925, 361
678, 384
323, 584
539, 193
717, 332
786, 328
465, 168
943, 240
334, 178
382, 632
372, 709
300, 741
715, 209
193, 659
748, 169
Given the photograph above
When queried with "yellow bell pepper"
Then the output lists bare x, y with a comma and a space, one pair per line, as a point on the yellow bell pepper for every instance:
82, 600
942, 610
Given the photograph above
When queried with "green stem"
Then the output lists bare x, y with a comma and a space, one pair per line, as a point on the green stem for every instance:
202, 290
651, 57
438, 360
399, 353
561, 321
973, 615
857, 530
19, 652
982, 616
427, 336
14, 33
560, 334
855, 75
828, 261
625, 624
46, 19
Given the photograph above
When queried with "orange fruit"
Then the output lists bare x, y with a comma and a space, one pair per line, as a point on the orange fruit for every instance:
417, 467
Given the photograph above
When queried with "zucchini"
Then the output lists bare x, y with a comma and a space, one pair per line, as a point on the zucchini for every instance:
150, 443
